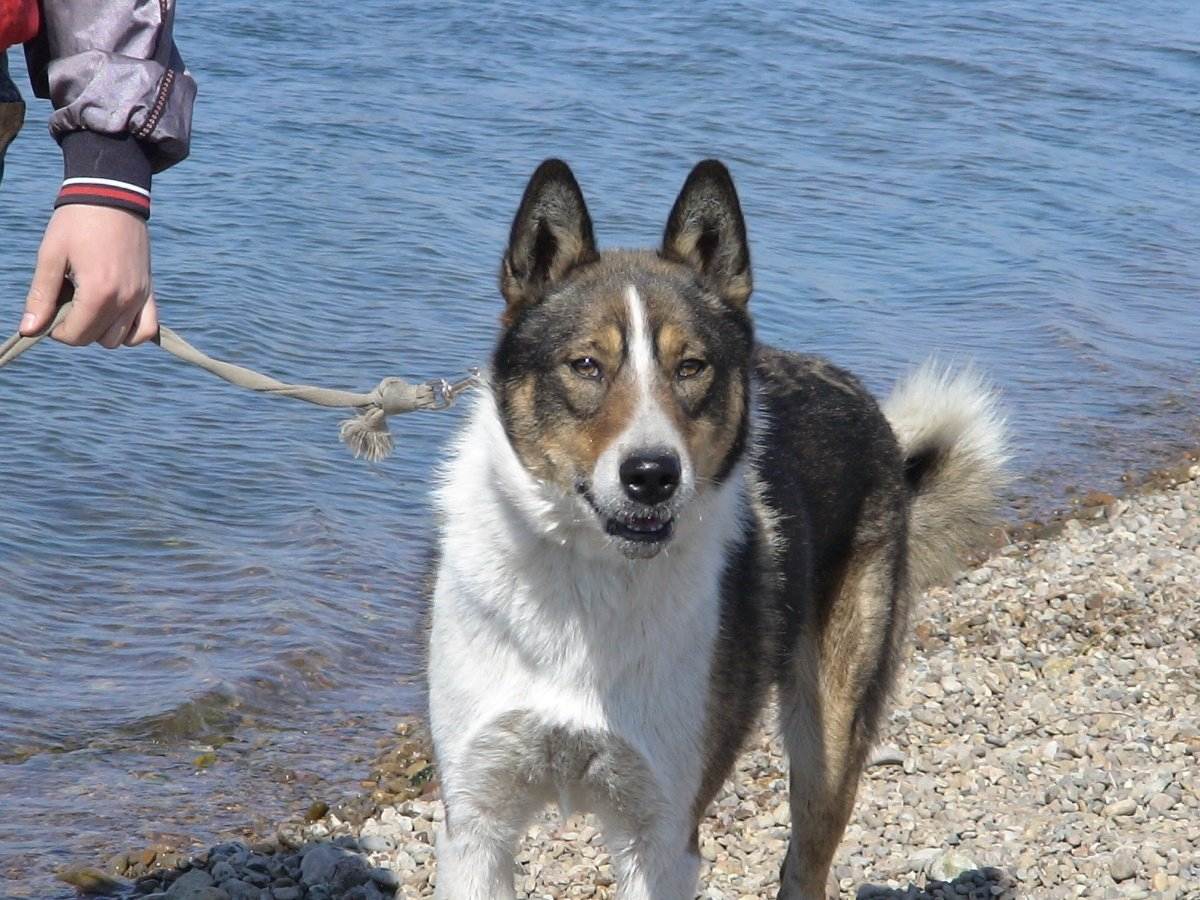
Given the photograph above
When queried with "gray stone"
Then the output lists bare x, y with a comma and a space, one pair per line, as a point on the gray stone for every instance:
1160, 803
886, 756
258, 864
366, 891
319, 862
1122, 866
238, 889
376, 843
332, 865
258, 879
949, 865
231, 851
91, 881
191, 885
1126, 806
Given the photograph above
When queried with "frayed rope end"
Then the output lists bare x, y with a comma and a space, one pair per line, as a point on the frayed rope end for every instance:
367, 436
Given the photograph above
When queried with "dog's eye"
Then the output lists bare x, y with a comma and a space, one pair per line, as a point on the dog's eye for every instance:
690, 368
586, 367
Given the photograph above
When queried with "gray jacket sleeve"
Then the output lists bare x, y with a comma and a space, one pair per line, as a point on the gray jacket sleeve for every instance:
121, 93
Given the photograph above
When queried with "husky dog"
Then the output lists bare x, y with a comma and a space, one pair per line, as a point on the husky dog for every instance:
648, 524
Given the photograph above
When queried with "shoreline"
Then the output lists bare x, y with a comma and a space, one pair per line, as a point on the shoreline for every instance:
390, 826
1090, 504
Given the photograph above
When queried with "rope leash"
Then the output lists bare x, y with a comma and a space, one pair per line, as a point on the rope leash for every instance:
366, 434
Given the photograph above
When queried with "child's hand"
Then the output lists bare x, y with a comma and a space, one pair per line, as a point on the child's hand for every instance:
107, 252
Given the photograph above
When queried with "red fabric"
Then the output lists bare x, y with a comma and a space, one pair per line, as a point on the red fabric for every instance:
19, 21
95, 190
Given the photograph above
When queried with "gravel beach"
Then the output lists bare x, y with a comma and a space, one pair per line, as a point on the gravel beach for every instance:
1044, 742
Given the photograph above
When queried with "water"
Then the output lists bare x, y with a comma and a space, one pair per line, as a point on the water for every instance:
183, 565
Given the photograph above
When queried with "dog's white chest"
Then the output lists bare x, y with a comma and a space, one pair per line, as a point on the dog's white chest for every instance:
568, 662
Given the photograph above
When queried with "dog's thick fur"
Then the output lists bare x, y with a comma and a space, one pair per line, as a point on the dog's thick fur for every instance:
650, 522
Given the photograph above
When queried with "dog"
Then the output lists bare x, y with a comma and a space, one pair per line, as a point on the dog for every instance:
649, 524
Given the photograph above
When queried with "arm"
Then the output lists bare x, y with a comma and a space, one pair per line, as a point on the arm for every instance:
122, 111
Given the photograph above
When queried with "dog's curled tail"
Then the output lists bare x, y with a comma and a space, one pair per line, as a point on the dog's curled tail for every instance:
952, 435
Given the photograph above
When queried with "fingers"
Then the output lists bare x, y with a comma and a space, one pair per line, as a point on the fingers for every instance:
97, 312
145, 326
115, 336
102, 313
42, 300
104, 316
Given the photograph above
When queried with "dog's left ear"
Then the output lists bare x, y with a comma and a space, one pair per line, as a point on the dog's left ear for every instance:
706, 231
551, 235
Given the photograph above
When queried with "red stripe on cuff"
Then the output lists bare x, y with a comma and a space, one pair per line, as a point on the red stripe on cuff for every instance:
111, 193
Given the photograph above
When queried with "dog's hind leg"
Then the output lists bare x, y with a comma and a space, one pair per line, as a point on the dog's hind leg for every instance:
830, 703
826, 757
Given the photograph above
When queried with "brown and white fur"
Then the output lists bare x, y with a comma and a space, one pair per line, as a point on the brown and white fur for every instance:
647, 524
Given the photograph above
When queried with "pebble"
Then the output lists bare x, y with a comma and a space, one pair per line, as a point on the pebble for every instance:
191, 885
1124, 807
949, 865
90, 880
375, 843
886, 756
1123, 866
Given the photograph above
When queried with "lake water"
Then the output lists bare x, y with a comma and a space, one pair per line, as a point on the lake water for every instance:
183, 564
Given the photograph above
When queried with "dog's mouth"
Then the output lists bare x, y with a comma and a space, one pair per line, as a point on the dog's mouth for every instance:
640, 532
642, 528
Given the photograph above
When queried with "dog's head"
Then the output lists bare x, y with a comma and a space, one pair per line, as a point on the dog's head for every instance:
622, 378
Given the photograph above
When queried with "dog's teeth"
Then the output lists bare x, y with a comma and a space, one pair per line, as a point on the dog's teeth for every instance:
646, 524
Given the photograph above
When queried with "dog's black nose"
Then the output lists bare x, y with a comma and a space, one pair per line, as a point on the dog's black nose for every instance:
650, 477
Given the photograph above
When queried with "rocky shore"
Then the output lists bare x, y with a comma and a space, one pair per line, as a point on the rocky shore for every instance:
1044, 743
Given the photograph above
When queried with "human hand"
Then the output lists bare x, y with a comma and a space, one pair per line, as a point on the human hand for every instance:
107, 252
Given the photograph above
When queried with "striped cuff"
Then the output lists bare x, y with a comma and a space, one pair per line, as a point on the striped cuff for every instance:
105, 170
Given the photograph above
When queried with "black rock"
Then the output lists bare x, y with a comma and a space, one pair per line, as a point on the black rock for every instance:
386, 879
238, 889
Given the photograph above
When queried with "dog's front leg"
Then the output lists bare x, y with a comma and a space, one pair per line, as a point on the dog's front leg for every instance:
470, 868
659, 864
476, 844
475, 855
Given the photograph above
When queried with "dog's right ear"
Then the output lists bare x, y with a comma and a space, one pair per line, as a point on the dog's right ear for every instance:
551, 235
